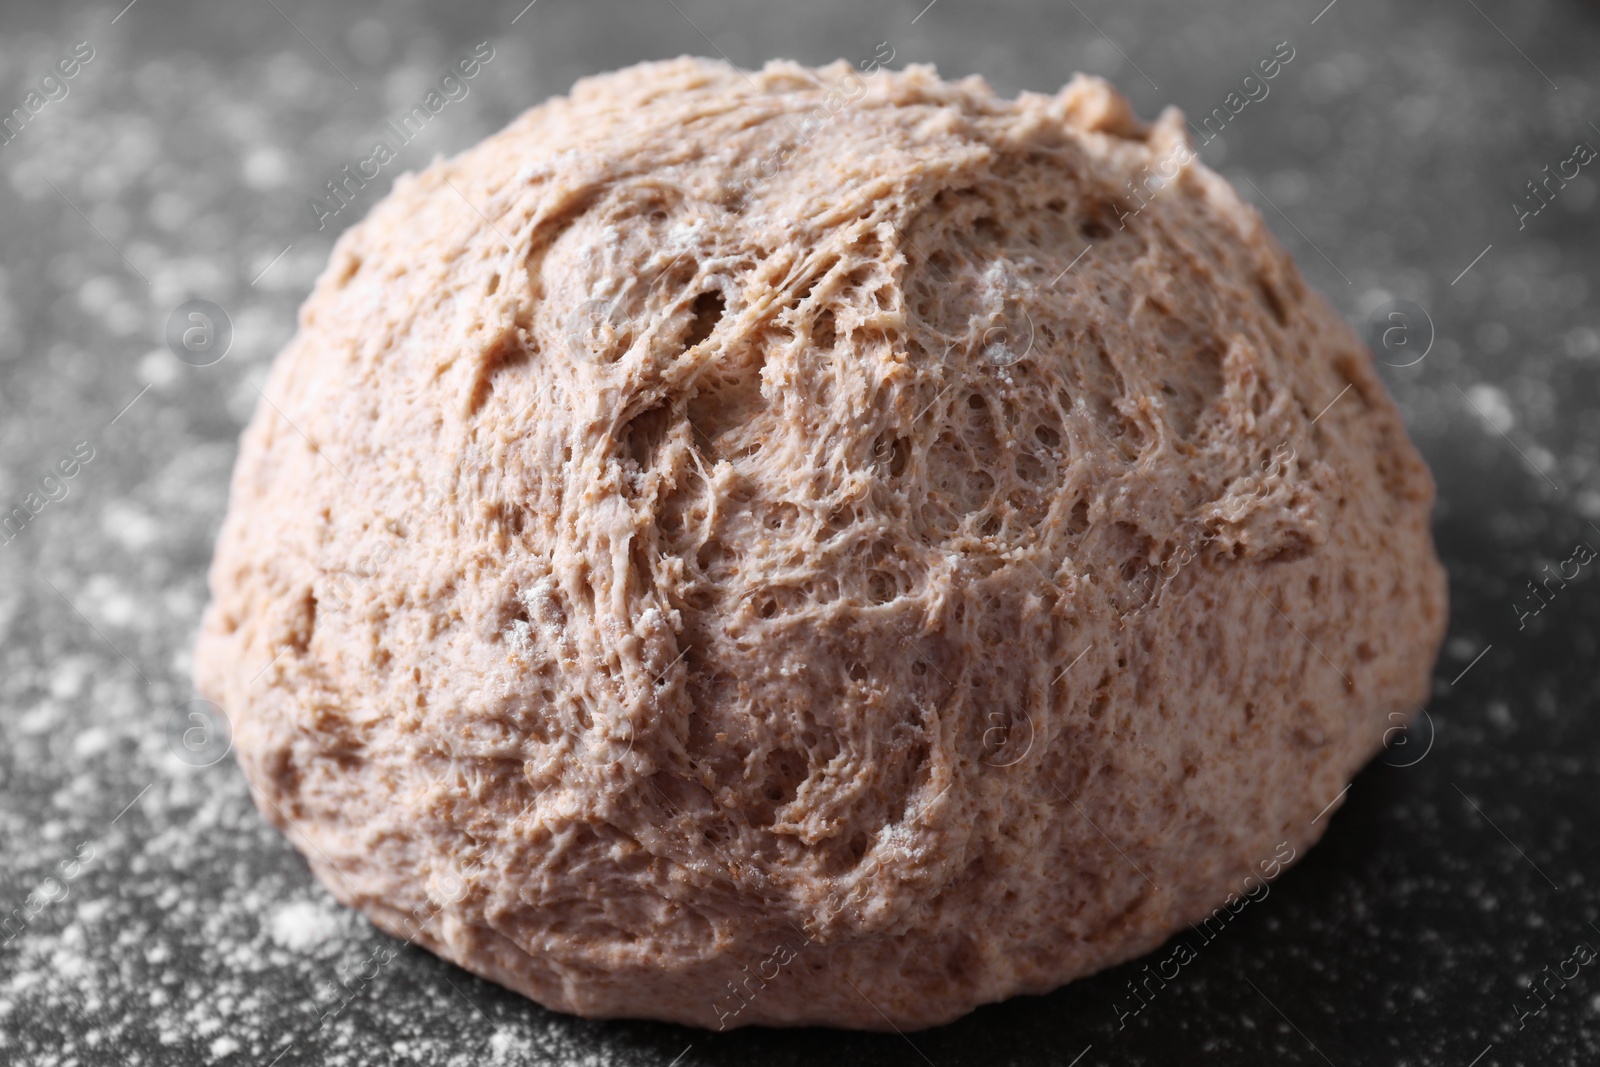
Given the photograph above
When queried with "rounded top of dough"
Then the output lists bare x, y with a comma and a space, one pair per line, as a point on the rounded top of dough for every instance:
814, 546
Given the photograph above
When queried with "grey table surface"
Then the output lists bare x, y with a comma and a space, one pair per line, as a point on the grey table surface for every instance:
163, 922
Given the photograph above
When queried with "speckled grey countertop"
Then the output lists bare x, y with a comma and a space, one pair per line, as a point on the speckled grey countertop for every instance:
151, 915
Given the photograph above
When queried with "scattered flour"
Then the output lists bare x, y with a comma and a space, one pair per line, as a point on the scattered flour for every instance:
302, 925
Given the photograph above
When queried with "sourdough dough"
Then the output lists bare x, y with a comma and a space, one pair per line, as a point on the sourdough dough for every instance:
812, 546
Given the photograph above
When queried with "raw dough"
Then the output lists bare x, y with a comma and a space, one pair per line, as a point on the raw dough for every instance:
726, 553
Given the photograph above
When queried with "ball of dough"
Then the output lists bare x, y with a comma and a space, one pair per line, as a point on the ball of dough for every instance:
814, 546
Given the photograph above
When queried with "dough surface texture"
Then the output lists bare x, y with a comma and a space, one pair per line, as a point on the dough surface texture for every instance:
814, 547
